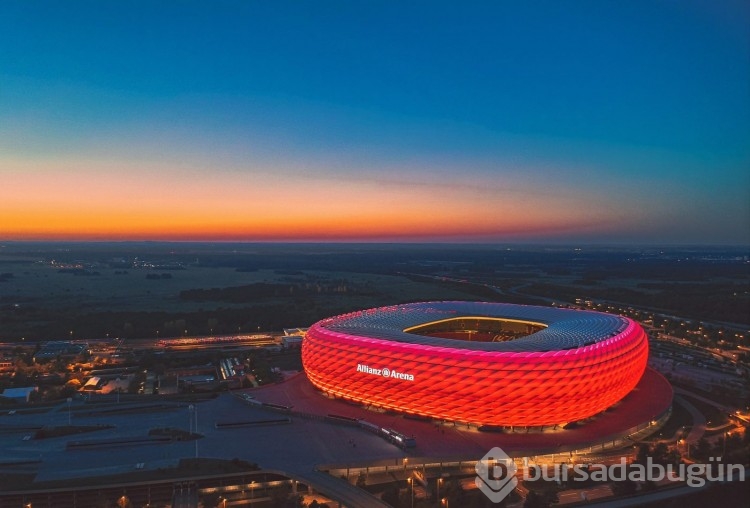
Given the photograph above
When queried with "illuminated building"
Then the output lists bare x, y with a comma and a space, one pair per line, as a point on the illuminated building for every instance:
479, 363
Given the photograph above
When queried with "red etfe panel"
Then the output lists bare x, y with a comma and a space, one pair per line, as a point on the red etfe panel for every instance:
478, 387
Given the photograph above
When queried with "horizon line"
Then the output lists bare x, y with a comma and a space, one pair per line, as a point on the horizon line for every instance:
456, 243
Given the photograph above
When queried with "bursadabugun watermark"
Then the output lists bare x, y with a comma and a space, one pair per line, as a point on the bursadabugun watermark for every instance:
696, 475
497, 473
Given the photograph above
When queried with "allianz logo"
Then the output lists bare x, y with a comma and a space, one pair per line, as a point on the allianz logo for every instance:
384, 372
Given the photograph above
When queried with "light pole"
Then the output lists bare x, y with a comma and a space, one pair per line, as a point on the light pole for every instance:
687, 447
252, 489
445, 502
193, 413
196, 437
69, 401
411, 483
439, 481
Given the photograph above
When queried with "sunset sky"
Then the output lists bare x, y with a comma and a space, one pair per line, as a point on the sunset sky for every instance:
541, 121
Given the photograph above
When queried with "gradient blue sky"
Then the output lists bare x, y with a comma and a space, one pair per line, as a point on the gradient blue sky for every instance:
598, 121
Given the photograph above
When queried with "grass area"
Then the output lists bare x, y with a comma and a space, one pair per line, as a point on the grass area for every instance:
127, 398
187, 468
27, 409
14, 481
175, 434
50, 304
714, 416
43, 286
680, 418
68, 430
541, 486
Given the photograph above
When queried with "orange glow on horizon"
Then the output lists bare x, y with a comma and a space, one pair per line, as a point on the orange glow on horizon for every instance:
112, 226
66, 201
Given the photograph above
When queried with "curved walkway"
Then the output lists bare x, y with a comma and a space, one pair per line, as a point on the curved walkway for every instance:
337, 489
693, 395
699, 420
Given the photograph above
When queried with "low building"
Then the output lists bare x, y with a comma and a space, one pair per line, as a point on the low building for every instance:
93, 384
291, 341
21, 395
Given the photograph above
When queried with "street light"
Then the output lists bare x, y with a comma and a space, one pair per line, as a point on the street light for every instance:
252, 489
445, 502
439, 481
193, 411
69, 401
411, 482
687, 447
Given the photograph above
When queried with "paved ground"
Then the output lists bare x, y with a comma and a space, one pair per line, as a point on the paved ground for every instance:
294, 448
649, 399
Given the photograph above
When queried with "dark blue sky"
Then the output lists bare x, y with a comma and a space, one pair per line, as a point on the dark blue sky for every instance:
584, 121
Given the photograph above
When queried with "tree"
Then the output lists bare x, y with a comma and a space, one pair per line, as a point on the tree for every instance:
361, 479
124, 502
702, 449
578, 475
660, 453
624, 488
391, 497
282, 497
59, 365
649, 485
535, 500
673, 457
315, 504
643, 454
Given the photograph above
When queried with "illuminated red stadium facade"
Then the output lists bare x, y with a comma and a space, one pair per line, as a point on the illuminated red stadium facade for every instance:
568, 365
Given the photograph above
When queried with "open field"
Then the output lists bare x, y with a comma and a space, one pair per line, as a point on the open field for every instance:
87, 291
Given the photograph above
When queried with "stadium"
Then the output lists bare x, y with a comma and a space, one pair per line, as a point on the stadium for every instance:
485, 364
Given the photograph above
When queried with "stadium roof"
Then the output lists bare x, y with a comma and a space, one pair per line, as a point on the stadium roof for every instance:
565, 328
